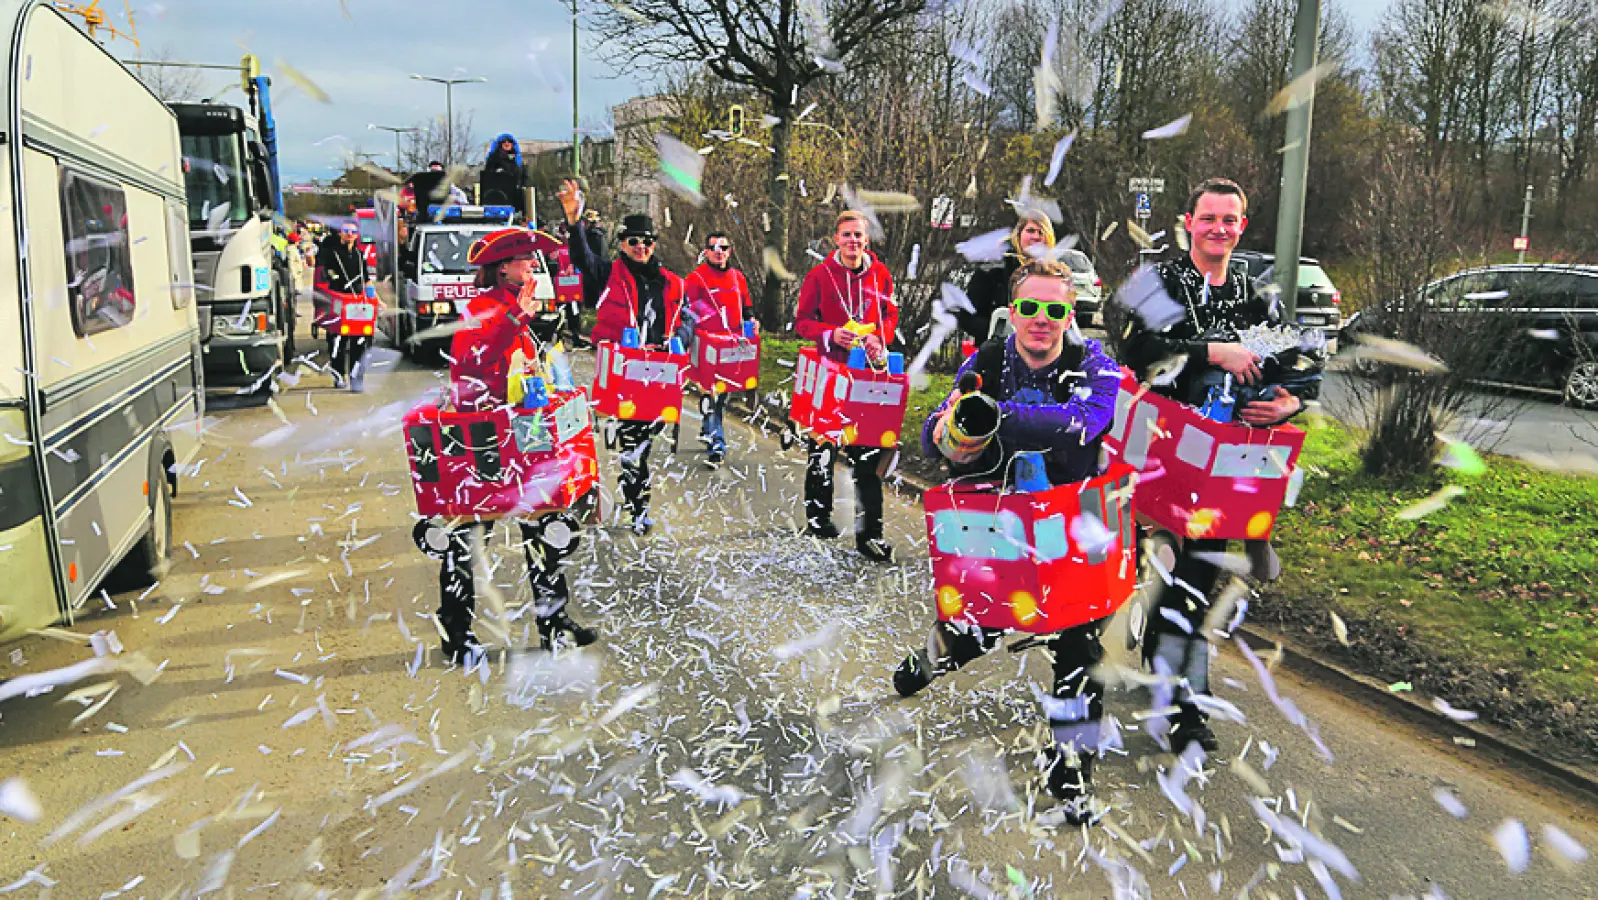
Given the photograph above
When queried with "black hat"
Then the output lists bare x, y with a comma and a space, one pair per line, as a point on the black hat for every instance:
637, 225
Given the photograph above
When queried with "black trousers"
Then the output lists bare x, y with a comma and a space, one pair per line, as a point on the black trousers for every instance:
572, 313
867, 484
457, 602
1076, 707
635, 440
1185, 651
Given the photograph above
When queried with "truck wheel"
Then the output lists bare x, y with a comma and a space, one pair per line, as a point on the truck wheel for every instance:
146, 563
1581, 385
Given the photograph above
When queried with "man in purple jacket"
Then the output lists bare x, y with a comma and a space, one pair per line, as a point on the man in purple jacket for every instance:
1058, 397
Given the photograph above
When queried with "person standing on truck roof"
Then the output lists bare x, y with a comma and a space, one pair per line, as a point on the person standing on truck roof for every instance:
479, 374
989, 287
1057, 396
718, 303
1219, 303
844, 294
503, 175
340, 269
635, 291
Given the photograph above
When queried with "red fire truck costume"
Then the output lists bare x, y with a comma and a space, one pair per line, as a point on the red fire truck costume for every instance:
832, 296
479, 379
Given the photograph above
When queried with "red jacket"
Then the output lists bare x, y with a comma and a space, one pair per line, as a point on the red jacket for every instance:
832, 296
718, 297
479, 366
618, 306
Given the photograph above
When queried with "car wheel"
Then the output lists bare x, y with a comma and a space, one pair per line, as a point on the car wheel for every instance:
1581, 385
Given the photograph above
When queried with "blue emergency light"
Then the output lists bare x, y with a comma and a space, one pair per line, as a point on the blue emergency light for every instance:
497, 213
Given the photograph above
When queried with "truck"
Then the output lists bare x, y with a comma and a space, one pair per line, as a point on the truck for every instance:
101, 388
423, 273
245, 286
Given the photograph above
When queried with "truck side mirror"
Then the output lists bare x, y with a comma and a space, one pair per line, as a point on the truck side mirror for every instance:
265, 215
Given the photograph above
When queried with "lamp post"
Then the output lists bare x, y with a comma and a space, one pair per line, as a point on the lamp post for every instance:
1295, 159
449, 110
397, 132
577, 147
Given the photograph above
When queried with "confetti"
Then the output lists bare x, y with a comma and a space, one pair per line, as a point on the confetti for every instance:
18, 801
682, 169
1058, 159
1513, 845
1397, 353
1169, 130
1435, 503
1564, 850
1298, 91
303, 83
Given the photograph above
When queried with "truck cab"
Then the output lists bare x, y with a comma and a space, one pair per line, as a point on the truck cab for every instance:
245, 291
422, 261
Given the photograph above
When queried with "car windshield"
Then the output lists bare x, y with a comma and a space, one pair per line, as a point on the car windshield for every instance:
214, 178
1077, 261
444, 252
1313, 276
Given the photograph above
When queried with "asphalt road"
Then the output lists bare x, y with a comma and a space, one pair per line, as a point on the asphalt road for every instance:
733, 735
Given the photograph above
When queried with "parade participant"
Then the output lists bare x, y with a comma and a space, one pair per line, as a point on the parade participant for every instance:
1219, 302
340, 268
719, 303
503, 175
634, 291
989, 287
847, 293
1056, 396
480, 366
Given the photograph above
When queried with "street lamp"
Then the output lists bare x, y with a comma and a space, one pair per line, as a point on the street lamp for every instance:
449, 110
397, 132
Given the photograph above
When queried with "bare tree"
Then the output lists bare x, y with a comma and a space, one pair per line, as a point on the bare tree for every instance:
427, 143
173, 84
775, 48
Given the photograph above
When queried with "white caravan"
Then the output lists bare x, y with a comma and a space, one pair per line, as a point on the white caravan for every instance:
101, 390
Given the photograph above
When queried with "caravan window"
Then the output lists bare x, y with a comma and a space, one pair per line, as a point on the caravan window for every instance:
94, 219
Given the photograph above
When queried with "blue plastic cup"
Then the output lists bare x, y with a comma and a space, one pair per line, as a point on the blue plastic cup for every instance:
629, 338
895, 363
857, 357
675, 346
749, 330
1030, 474
537, 395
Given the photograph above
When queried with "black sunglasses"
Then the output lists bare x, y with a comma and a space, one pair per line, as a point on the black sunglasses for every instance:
1058, 310
721, 247
640, 241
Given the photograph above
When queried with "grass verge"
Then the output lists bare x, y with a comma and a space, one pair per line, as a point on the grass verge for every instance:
1488, 601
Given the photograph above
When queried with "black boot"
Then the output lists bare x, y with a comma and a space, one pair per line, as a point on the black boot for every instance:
462, 649
1073, 787
1192, 727
875, 549
552, 626
822, 528
913, 674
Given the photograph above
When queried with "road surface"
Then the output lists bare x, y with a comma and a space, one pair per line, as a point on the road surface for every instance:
733, 735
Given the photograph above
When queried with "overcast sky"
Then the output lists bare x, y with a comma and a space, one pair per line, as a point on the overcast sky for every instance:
362, 62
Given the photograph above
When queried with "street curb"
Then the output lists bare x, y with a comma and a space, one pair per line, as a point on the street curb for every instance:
1361, 688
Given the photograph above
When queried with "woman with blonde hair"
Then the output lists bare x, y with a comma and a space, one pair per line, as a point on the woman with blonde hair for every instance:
989, 288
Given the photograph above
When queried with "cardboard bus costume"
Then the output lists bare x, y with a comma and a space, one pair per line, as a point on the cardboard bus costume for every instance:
853, 405
1034, 561
1200, 478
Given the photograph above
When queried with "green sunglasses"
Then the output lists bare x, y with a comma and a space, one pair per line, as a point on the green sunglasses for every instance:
1027, 308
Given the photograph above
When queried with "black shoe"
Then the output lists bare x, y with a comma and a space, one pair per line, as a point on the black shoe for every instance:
551, 627
715, 458
913, 674
642, 524
463, 650
1193, 727
823, 529
1073, 787
875, 549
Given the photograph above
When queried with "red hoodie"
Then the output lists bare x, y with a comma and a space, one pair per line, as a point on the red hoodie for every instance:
718, 297
832, 295
479, 366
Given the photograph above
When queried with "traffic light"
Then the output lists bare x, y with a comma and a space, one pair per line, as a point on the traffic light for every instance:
735, 120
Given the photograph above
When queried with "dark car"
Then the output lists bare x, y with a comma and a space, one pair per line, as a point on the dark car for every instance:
1549, 331
1319, 301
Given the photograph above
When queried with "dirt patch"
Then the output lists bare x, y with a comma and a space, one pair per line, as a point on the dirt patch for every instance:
1564, 730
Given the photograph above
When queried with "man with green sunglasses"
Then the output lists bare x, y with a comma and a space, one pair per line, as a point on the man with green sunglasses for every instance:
1055, 392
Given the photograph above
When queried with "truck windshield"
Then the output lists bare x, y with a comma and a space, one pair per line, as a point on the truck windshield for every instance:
444, 253
214, 176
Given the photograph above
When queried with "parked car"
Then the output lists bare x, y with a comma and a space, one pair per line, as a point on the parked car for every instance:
1089, 287
1550, 324
1319, 301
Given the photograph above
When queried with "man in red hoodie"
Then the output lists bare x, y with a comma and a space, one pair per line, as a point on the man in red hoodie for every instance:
505, 320
719, 302
849, 288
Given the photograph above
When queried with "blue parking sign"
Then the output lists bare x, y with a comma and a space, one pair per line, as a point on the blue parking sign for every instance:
1143, 209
